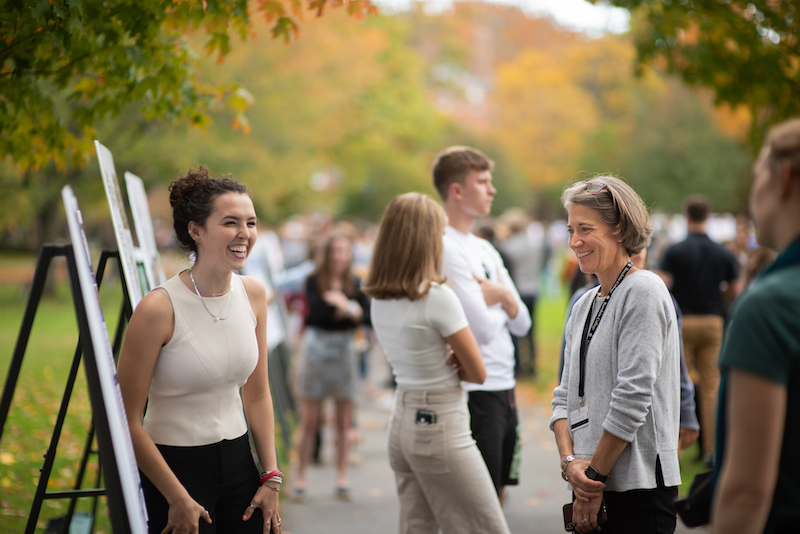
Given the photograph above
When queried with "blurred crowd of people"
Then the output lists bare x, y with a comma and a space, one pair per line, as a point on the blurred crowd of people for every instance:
535, 252
451, 295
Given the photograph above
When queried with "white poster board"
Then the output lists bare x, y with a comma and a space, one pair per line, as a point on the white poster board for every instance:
122, 230
143, 223
112, 396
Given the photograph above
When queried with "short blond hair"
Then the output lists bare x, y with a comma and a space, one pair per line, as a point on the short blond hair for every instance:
408, 250
619, 207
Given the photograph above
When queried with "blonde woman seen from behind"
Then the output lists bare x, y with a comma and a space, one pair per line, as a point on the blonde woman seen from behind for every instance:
442, 480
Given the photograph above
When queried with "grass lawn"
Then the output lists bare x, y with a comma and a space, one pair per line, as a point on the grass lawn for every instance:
37, 399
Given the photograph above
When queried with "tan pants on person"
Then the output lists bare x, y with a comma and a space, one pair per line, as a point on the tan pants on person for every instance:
702, 338
442, 482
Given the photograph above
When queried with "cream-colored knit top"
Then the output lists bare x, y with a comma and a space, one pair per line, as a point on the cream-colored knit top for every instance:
194, 394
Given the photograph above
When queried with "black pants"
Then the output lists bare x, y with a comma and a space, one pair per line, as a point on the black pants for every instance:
222, 477
642, 511
493, 420
528, 368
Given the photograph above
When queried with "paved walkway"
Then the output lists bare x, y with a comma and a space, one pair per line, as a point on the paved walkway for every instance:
532, 507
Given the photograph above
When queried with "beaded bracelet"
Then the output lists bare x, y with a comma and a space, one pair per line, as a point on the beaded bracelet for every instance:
267, 476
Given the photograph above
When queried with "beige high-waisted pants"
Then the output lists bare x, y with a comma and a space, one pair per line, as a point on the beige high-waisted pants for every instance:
442, 481
702, 338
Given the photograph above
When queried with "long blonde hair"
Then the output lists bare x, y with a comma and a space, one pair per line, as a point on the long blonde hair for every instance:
408, 250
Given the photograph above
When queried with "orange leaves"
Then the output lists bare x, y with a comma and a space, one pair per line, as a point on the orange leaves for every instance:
355, 8
275, 9
282, 14
285, 15
689, 36
287, 28
242, 122
239, 101
733, 121
543, 115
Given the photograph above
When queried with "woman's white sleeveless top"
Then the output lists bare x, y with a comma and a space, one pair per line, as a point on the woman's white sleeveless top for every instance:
194, 394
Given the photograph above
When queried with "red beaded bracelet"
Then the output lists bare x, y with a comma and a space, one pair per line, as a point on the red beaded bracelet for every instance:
266, 476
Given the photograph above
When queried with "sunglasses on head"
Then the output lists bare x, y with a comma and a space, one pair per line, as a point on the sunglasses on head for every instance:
593, 187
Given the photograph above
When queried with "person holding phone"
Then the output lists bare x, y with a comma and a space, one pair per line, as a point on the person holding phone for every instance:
442, 480
616, 411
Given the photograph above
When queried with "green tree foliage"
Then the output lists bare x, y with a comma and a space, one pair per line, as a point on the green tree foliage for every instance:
71, 65
669, 146
582, 111
747, 51
340, 122
353, 113
68, 63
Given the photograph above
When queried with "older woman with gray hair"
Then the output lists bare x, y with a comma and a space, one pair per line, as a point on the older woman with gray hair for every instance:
616, 411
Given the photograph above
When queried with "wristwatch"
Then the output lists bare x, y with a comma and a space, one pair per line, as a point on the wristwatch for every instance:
564, 465
593, 474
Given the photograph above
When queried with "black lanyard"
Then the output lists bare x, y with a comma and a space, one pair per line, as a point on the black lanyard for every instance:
589, 332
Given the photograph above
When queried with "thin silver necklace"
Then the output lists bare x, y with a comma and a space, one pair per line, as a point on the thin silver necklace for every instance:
203, 300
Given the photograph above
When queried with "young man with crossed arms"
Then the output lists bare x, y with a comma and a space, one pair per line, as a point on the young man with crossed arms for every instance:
463, 178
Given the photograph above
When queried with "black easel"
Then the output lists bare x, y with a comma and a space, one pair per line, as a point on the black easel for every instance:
117, 511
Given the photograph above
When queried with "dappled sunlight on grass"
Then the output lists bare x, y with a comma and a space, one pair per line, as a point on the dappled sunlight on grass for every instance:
37, 398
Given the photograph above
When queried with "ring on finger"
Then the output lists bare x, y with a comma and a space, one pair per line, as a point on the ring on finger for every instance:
267, 522
206, 514
585, 520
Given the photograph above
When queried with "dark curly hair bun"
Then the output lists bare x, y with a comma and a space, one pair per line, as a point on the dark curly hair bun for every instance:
192, 199
186, 185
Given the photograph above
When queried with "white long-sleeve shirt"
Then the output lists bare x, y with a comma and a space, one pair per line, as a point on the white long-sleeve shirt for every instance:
466, 255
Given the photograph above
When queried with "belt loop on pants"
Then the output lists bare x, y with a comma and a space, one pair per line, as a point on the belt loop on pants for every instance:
425, 398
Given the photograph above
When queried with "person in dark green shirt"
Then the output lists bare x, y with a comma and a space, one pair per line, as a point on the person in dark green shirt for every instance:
758, 489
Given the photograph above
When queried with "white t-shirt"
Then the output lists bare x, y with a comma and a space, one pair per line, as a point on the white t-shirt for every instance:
412, 336
466, 255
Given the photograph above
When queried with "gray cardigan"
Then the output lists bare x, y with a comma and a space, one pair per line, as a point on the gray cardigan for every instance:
632, 387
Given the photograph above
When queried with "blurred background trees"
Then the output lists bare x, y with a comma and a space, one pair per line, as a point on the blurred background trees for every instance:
67, 65
747, 52
354, 111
